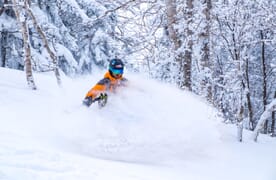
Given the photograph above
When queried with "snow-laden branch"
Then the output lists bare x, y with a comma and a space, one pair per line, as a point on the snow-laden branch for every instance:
115, 9
266, 114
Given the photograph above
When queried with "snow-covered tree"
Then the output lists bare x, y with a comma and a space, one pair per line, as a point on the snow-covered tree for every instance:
80, 33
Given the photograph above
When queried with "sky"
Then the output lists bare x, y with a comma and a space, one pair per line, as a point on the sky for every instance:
147, 131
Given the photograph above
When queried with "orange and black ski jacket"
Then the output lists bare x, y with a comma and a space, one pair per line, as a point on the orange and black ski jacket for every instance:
108, 83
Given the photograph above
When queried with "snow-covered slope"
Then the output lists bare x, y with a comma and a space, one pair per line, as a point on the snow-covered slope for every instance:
148, 130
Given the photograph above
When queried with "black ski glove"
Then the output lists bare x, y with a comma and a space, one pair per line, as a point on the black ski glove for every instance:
87, 101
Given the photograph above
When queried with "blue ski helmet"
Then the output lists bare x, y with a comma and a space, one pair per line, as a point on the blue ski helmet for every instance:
116, 66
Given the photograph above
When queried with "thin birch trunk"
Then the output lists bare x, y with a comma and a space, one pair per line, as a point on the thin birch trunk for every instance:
240, 124
46, 44
171, 16
27, 49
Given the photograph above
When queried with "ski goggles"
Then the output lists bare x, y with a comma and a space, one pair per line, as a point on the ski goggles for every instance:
117, 71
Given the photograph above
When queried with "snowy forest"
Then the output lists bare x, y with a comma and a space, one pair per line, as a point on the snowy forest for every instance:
222, 50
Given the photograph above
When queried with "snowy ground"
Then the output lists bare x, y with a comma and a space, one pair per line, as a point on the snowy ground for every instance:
147, 131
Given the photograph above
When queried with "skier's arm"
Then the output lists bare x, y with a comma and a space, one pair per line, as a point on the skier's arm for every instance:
100, 87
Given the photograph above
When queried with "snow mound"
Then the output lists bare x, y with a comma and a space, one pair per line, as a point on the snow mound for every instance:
148, 130
137, 122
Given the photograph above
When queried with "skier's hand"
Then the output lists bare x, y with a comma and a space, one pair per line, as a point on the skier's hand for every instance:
87, 101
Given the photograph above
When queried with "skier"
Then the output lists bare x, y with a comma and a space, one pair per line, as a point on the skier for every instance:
112, 79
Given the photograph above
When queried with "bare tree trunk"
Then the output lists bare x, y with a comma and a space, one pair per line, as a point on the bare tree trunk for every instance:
273, 120
237, 58
248, 97
171, 16
240, 124
172, 21
264, 71
4, 35
273, 125
46, 44
184, 60
189, 48
27, 49
206, 87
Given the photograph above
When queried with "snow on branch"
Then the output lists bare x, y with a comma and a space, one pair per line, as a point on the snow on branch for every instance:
266, 114
117, 8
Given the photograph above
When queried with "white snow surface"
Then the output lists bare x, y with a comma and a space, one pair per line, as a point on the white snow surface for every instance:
148, 131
